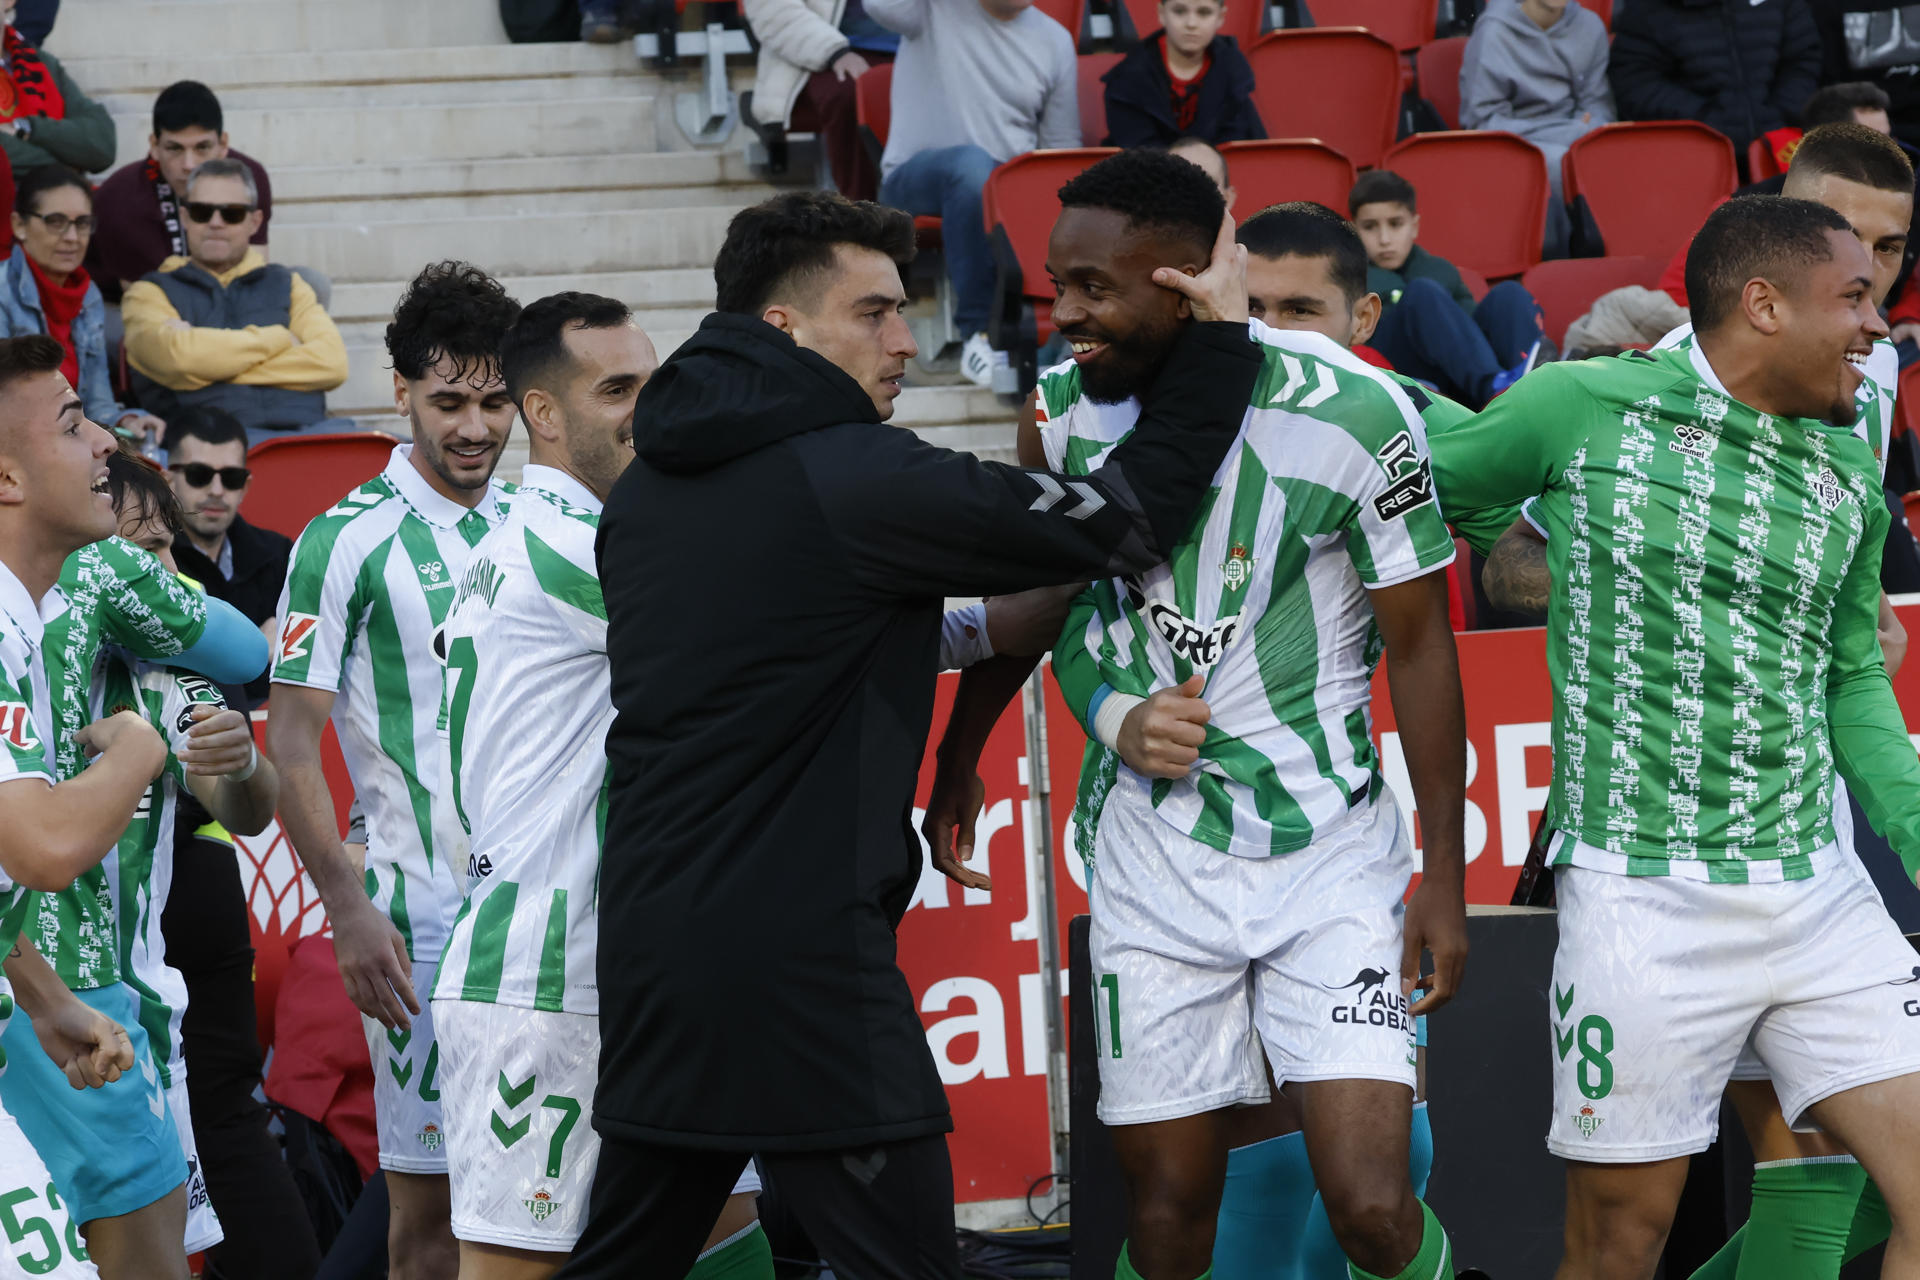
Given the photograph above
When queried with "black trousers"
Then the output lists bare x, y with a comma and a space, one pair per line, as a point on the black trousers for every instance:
269, 1236
881, 1213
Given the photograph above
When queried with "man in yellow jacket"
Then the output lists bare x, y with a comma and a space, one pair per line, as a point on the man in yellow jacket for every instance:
222, 327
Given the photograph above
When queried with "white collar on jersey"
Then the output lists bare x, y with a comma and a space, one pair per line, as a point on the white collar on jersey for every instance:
561, 485
424, 498
1705, 370
19, 607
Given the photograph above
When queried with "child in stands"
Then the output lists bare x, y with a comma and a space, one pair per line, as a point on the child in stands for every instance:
1184, 80
1431, 328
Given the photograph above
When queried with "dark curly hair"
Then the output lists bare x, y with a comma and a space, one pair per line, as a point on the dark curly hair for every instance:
133, 479
1154, 191
786, 244
451, 311
1771, 237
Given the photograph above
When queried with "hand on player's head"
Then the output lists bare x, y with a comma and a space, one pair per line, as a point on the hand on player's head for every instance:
1162, 737
1220, 291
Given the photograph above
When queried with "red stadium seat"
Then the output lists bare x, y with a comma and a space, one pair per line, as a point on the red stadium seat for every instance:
1020, 202
1604, 8
1071, 14
1275, 170
1761, 161
1093, 97
1475, 282
1647, 186
1565, 288
295, 478
1454, 172
1338, 84
1906, 414
1405, 24
1246, 19
873, 109
1437, 68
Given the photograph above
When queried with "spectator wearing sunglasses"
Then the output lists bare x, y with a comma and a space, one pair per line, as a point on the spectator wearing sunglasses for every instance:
220, 327
235, 561
47, 290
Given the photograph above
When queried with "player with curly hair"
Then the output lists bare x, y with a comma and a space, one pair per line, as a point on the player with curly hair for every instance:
368, 588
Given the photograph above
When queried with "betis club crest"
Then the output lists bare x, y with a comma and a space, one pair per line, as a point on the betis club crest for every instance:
1586, 1121
430, 1137
1237, 568
541, 1205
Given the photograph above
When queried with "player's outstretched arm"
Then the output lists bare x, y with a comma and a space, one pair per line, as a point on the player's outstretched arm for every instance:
50, 834
226, 772
372, 954
1516, 576
91, 1048
1423, 677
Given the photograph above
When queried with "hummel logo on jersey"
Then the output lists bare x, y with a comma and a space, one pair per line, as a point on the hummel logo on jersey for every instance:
1051, 493
297, 636
1826, 488
1412, 474
16, 726
1199, 645
1694, 442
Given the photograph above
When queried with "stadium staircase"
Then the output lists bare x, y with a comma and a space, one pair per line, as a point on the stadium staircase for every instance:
402, 131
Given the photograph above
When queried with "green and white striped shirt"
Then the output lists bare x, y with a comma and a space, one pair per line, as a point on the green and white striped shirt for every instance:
1327, 494
26, 732
368, 588
527, 714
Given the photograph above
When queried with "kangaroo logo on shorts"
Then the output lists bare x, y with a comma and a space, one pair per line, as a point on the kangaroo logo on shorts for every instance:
541, 1205
1374, 1005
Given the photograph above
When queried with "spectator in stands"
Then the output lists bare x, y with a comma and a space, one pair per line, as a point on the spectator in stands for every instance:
1878, 42
1203, 153
139, 205
1742, 68
811, 54
220, 327
1431, 328
235, 561
1184, 80
1537, 68
44, 118
977, 82
47, 290
34, 20
605, 21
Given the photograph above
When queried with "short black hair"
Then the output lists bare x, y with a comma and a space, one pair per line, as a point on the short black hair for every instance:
1304, 229
1853, 153
187, 104
1381, 186
24, 357
205, 422
1154, 191
788, 243
1773, 238
35, 183
450, 311
536, 346
1839, 101
133, 479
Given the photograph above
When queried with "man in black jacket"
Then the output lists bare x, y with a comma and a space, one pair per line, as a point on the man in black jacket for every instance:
774, 565
234, 561
1742, 66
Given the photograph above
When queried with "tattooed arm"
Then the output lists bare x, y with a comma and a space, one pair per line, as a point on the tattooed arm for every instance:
1516, 577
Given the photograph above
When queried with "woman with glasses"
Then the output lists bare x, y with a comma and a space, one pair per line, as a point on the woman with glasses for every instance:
46, 290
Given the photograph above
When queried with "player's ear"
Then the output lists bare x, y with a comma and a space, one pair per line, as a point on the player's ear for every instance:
13, 489
1763, 305
1366, 317
541, 414
401, 405
780, 317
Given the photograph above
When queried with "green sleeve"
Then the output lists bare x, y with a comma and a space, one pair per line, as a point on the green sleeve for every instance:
146, 610
1076, 662
85, 139
1870, 743
1515, 448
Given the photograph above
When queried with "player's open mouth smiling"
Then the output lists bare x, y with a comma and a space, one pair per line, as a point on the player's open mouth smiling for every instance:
1085, 349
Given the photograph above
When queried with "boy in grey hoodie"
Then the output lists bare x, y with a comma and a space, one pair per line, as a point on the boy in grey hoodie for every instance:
1537, 68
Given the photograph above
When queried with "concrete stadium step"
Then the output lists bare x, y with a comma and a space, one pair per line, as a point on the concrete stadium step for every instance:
679, 288
556, 243
478, 129
170, 27
533, 205
135, 109
141, 74
551, 175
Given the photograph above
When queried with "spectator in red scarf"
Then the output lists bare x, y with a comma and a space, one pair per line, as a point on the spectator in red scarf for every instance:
44, 288
44, 118
1184, 80
139, 206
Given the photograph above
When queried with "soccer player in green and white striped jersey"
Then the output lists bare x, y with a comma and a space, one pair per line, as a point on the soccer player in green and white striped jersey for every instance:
368, 589
1247, 871
516, 997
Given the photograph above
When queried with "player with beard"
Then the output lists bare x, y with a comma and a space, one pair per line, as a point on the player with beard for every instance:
1247, 870
368, 589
